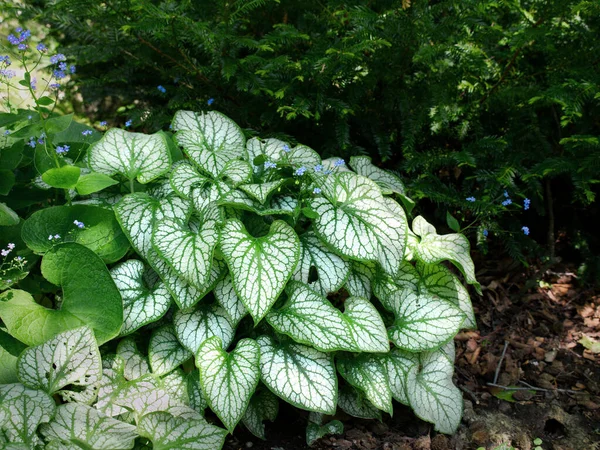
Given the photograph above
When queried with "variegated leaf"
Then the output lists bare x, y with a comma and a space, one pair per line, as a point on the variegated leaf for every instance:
165, 352
225, 294
302, 376
22, 410
398, 364
88, 428
366, 325
332, 270
142, 304
210, 139
387, 181
263, 406
423, 322
70, 359
271, 148
194, 326
354, 403
387, 289
279, 205
134, 155
168, 432
194, 390
135, 364
175, 384
184, 177
111, 383
260, 267
315, 431
236, 172
146, 395
367, 373
228, 380
360, 278
261, 191
431, 393
355, 219
434, 248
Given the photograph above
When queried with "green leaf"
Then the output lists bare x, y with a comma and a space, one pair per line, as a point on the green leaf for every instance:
434, 248
332, 271
10, 349
398, 364
367, 373
102, 233
111, 383
228, 380
452, 222
261, 191
355, 219
64, 177
184, 178
7, 216
58, 124
142, 304
359, 279
431, 393
387, 181
366, 325
165, 352
229, 301
194, 390
354, 403
263, 406
7, 181
146, 395
194, 326
211, 140
22, 410
93, 182
188, 251
133, 155
315, 431
10, 157
135, 365
302, 376
423, 322
69, 360
81, 426
175, 433
260, 267
45, 101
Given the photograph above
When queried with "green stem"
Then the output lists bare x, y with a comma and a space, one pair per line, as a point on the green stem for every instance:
131, 187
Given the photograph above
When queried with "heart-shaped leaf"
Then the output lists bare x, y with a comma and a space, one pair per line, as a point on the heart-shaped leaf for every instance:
354, 403
366, 325
93, 182
315, 431
355, 219
263, 406
70, 359
146, 395
134, 155
228, 380
64, 177
194, 326
135, 365
260, 267
184, 177
399, 363
301, 375
360, 278
261, 191
165, 352
225, 294
387, 181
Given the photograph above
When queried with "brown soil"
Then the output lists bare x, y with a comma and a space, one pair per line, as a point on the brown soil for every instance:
537, 318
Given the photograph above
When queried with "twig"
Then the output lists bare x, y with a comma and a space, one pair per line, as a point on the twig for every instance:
469, 393
500, 362
530, 388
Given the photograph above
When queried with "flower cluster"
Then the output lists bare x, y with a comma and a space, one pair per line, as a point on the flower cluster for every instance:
20, 38
161, 89
525, 230
470, 199
299, 172
339, 163
9, 248
52, 238
5, 61
270, 165
79, 224
60, 150
526, 204
86, 132
316, 191
61, 68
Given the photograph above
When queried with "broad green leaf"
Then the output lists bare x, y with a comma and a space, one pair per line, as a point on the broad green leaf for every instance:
260, 267
331, 270
194, 326
438, 280
354, 403
7, 216
452, 222
261, 191
367, 373
360, 278
165, 352
355, 219
86, 427
423, 322
142, 304
387, 181
366, 325
236, 172
211, 140
135, 364
101, 234
431, 393
168, 432
64, 177
189, 252
228, 380
398, 364
302, 376
22, 410
7, 181
184, 177
134, 155
58, 123
263, 406
279, 205
8, 367
93, 182
315, 431
194, 390
225, 294
70, 360
434, 248
176, 386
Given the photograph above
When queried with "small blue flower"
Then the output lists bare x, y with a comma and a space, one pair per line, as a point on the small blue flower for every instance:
41, 141
286, 148
339, 162
210, 101
29, 117
33, 83
526, 204
55, 86
22, 47
299, 172
506, 194
62, 65
7, 73
7, 132
57, 58
161, 89
485, 233
62, 149
86, 132
41, 47
471, 199
72, 69
79, 224
31, 143
103, 123
316, 191
525, 230
128, 123
318, 168
270, 165
506, 202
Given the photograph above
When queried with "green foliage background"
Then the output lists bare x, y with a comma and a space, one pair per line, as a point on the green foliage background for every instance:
466, 98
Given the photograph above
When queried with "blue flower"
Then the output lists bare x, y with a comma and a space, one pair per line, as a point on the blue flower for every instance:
286, 148
6, 60
161, 89
316, 191
270, 165
526, 204
22, 47
79, 224
339, 162
485, 233
299, 172
7, 132
62, 149
87, 132
470, 199
31, 143
506, 202
128, 123
33, 83
62, 65
525, 230
327, 172
41, 47
55, 86
318, 168
59, 74
7, 73
103, 123
57, 58
72, 69
506, 194
210, 101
